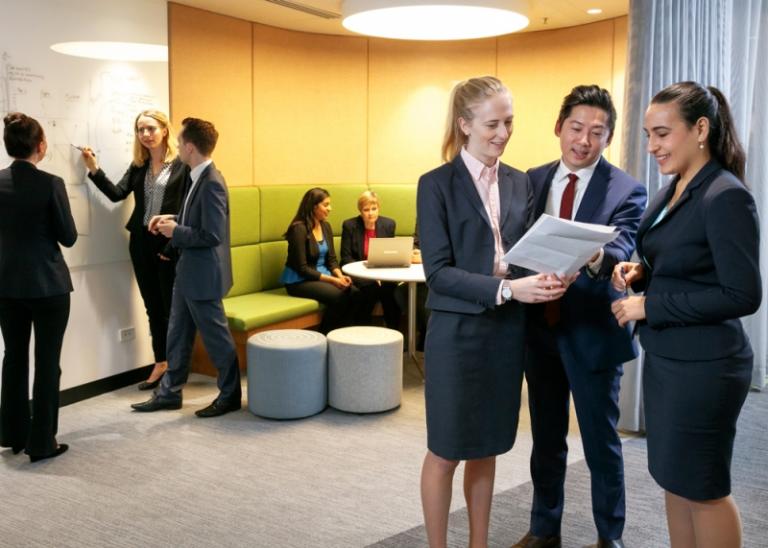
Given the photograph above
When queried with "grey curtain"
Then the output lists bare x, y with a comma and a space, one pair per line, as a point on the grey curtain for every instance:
715, 42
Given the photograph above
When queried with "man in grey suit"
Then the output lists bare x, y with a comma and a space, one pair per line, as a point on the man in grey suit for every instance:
200, 233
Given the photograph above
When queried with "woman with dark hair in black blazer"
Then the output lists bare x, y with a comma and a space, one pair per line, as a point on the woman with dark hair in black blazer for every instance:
311, 270
355, 235
699, 246
34, 290
156, 179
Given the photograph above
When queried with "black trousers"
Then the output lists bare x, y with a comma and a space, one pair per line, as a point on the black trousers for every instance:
155, 279
48, 316
340, 305
372, 292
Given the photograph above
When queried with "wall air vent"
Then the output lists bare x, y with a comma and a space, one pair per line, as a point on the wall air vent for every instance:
306, 9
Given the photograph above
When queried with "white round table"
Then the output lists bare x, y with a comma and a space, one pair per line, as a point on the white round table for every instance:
411, 275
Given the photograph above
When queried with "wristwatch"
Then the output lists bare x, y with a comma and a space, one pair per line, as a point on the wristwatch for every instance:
506, 291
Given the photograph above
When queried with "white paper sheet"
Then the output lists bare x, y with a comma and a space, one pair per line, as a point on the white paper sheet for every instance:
558, 246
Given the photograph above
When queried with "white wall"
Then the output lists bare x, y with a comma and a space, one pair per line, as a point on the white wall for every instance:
59, 91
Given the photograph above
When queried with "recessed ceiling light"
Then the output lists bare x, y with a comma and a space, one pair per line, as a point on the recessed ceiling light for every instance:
434, 19
113, 51
594, 11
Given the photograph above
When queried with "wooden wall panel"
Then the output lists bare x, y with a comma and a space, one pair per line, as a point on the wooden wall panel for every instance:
309, 107
409, 87
540, 68
620, 40
210, 78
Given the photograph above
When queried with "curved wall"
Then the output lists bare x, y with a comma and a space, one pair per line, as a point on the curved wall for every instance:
300, 108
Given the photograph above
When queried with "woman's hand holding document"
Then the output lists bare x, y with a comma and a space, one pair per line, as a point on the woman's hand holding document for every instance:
559, 246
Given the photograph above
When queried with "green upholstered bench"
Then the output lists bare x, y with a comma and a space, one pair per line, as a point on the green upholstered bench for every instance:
259, 216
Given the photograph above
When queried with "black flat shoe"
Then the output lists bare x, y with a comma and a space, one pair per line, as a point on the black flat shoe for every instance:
218, 408
17, 450
156, 403
146, 385
62, 448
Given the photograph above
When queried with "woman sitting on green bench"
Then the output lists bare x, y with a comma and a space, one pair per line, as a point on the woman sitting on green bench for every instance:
311, 270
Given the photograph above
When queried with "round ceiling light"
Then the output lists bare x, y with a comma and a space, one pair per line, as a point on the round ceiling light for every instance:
113, 51
434, 19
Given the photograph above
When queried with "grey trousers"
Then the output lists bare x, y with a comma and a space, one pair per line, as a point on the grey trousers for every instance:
187, 317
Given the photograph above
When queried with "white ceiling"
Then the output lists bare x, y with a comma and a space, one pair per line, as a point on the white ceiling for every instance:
544, 14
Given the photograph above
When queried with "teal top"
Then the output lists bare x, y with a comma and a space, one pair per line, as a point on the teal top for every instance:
290, 276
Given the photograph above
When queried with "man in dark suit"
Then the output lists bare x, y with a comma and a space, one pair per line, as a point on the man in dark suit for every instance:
576, 346
203, 277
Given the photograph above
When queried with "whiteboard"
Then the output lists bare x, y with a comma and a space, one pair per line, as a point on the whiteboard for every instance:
81, 101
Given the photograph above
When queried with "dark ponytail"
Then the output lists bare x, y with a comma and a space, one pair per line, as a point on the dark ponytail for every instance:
727, 147
695, 101
22, 135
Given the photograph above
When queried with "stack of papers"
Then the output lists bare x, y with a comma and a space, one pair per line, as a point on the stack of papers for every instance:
559, 246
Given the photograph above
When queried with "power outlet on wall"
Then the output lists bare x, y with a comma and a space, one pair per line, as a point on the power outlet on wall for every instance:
126, 334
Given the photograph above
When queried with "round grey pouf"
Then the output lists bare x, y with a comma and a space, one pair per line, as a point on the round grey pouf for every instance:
287, 373
365, 369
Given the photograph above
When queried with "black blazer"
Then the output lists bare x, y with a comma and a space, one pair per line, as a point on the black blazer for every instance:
133, 181
303, 251
702, 268
353, 237
34, 219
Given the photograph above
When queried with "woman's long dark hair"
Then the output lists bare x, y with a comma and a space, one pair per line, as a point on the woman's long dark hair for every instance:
306, 212
696, 101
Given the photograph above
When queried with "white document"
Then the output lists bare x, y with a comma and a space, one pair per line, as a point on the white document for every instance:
559, 246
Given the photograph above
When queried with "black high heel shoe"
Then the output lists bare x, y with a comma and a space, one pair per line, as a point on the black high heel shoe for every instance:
62, 448
146, 385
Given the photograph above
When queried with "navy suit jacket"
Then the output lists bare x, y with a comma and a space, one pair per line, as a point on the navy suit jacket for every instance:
702, 268
204, 270
353, 237
588, 334
34, 219
456, 240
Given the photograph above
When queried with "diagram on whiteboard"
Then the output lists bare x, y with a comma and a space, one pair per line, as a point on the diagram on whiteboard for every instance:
91, 103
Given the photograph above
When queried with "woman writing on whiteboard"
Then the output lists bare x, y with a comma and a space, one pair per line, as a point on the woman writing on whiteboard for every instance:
156, 179
34, 290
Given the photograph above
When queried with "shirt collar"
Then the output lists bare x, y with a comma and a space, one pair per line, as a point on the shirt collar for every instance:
476, 167
196, 171
584, 174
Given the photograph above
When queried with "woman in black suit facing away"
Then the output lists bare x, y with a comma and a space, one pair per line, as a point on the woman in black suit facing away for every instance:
34, 290
471, 211
698, 243
356, 233
311, 270
156, 180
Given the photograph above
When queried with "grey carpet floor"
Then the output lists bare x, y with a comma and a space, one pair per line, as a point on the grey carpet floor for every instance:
646, 523
332, 480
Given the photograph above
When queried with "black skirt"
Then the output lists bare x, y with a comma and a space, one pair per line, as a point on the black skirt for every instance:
691, 410
474, 370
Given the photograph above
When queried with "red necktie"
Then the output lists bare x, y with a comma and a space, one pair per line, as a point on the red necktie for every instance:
552, 308
566, 204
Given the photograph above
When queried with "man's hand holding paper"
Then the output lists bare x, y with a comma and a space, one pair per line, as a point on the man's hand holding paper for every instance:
554, 245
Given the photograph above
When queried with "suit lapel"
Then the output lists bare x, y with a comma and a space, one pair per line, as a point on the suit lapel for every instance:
468, 187
505, 194
194, 190
597, 190
541, 203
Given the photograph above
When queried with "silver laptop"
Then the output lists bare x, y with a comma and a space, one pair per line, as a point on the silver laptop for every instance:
389, 252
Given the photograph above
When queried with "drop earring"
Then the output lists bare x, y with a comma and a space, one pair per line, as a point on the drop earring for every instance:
701, 145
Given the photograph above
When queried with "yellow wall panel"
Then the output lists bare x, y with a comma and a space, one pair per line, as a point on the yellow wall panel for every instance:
620, 37
409, 87
540, 68
210, 78
309, 107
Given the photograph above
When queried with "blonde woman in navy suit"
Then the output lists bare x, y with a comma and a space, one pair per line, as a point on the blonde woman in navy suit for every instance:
34, 290
471, 210
699, 246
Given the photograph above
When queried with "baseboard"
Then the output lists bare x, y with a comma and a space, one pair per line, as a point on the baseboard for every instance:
102, 386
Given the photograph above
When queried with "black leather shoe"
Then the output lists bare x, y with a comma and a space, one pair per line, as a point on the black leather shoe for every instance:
604, 543
217, 408
146, 385
17, 449
532, 541
156, 403
62, 448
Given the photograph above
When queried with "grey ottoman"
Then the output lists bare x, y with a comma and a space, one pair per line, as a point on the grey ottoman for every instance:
287, 373
365, 369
